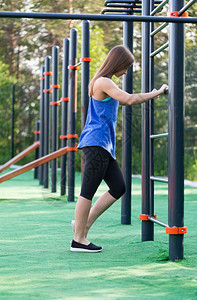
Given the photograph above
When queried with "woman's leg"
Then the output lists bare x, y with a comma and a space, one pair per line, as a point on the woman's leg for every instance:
82, 210
115, 181
96, 164
101, 205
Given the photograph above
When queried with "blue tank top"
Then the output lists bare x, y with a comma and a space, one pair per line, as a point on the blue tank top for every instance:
100, 127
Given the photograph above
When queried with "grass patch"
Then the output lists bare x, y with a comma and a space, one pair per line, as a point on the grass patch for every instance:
36, 263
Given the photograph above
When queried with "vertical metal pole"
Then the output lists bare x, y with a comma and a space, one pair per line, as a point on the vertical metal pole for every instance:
66, 45
72, 115
46, 119
151, 87
127, 131
147, 226
85, 77
37, 138
55, 52
176, 134
41, 148
12, 121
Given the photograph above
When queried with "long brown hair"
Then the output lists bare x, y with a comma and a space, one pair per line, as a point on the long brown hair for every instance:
118, 59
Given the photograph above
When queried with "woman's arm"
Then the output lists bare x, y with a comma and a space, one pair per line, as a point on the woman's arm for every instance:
108, 87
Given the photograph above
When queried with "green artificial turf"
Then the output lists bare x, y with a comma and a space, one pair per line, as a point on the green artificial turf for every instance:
35, 261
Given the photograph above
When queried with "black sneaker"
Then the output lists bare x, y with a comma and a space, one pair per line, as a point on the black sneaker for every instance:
77, 247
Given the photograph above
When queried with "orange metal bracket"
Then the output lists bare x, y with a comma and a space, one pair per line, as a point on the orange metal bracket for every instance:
69, 136
55, 86
176, 230
73, 67
64, 99
55, 103
144, 217
47, 73
85, 59
176, 14
72, 149
47, 91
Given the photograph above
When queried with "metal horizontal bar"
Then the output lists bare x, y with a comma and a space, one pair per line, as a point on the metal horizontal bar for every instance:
78, 64
152, 219
121, 1
158, 2
159, 7
158, 179
158, 136
92, 17
124, 5
123, 10
128, 11
188, 5
115, 2
158, 29
159, 49
129, 1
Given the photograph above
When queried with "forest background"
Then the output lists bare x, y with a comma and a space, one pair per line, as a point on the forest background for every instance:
24, 45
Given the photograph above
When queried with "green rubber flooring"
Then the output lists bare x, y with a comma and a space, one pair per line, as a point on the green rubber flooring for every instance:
35, 261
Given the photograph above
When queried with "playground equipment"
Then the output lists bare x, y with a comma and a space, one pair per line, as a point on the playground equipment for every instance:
69, 104
64, 99
41, 148
36, 163
92, 17
175, 228
37, 139
19, 156
12, 120
47, 92
55, 86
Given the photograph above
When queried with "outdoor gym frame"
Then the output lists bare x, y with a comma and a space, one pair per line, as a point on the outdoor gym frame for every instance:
92, 17
175, 228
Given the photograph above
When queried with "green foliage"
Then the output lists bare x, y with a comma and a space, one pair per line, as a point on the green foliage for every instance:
6, 82
190, 164
190, 111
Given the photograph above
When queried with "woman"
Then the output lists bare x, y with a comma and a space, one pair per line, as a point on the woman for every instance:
97, 141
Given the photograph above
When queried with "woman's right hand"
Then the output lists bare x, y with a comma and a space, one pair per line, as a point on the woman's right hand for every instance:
164, 89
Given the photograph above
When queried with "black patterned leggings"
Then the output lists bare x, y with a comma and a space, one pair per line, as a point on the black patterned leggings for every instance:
99, 165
